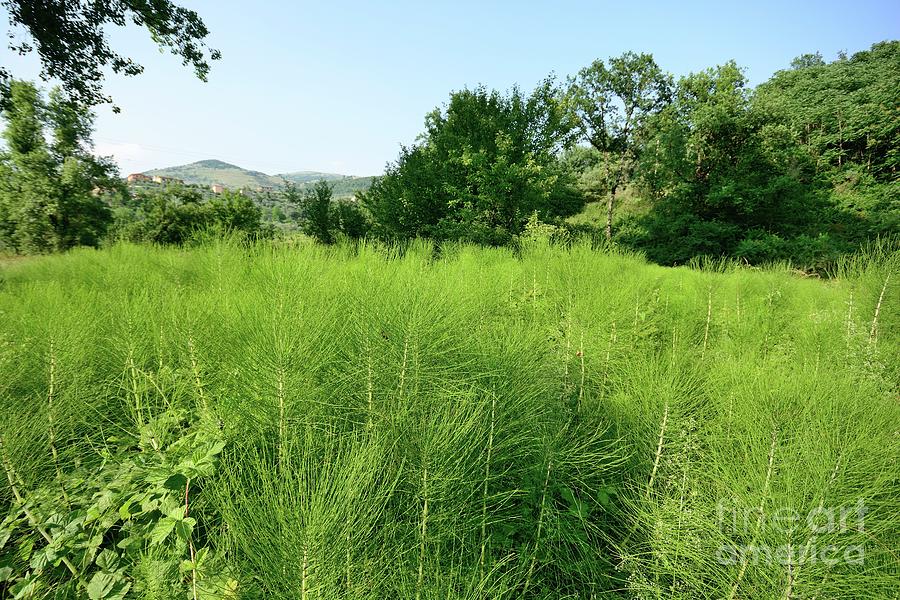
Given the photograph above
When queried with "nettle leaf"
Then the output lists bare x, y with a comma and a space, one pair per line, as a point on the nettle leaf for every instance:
200, 557
171, 506
13, 519
42, 558
125, 509
162, 530
100, 585
108, 560
603, 498
150, 503
175, 482
202, 461
157, 476
6, 574
132, 541
218, 588
184, 527
54, 521
197, 564
107, 586
25, 548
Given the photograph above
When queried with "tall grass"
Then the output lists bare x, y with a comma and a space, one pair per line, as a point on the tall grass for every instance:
477, 423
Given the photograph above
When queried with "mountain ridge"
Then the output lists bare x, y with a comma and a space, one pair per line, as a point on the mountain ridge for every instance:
213, 171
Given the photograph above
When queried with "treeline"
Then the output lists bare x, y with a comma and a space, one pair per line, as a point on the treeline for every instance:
802, 168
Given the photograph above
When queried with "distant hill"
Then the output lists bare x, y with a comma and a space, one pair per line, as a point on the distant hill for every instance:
309, 176
208, 172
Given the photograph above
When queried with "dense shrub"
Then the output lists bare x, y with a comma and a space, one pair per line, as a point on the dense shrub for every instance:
177, 214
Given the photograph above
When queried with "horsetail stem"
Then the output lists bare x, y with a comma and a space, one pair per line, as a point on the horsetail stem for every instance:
540, 524
708, 319
484, 493
659, 445
873, 332
423, 532
52, 426
760, 512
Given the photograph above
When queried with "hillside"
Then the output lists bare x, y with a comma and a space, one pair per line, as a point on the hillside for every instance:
208, 172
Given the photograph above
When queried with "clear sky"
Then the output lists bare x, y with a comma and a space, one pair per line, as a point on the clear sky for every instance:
338, 85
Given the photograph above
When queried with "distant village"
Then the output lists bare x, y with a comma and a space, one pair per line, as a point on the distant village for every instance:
216, 188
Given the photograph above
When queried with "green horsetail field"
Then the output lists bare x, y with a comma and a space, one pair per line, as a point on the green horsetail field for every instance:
265, 421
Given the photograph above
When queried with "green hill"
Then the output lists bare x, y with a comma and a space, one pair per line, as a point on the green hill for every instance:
208, 172
310, 176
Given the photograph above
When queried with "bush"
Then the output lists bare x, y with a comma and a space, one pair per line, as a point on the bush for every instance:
178, 214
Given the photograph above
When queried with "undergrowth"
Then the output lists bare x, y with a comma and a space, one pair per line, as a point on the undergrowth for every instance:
360, 422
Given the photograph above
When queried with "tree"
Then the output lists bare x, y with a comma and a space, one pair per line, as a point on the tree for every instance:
48, 196
349, 218
724, 178
482, 167
235, 212
72, 44
610, 103
315, 207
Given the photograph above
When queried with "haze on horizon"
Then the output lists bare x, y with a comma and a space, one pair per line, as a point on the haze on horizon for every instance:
339, 87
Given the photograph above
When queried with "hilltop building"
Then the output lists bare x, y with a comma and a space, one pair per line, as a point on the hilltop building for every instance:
138, 177
166, 180
217, 188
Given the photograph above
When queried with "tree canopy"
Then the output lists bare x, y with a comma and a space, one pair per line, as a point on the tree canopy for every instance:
49, 189
484, 164
610, 103
73, 46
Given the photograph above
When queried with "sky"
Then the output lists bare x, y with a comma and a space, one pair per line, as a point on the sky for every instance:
338, 86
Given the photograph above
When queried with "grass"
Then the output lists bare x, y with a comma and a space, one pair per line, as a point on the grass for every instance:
362, 422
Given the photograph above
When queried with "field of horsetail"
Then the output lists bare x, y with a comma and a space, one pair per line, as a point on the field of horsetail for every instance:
236, 421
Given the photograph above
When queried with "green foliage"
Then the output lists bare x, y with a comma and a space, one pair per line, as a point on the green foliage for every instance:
178, 214
799, 169
610, 105
321, 216
842, 112
353, 422
728, 178
48, 192
349, 219
482, 167
87, 530
71, 40
315, 206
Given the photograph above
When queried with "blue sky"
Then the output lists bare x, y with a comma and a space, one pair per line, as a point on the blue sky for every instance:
338, 86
